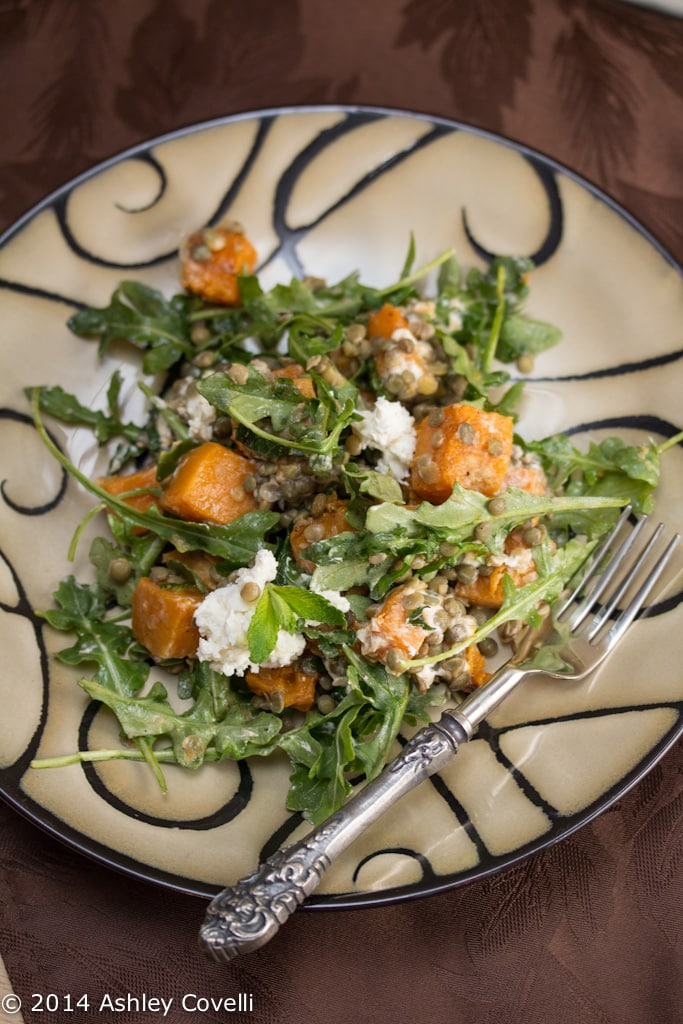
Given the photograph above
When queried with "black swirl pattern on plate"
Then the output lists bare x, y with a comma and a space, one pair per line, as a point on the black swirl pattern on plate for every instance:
226, 812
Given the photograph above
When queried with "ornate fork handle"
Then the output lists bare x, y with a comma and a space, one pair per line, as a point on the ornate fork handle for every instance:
248, 914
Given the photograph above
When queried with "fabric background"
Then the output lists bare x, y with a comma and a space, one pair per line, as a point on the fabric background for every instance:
590, 931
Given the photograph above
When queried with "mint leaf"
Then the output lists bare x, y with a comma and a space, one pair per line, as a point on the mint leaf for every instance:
289, 608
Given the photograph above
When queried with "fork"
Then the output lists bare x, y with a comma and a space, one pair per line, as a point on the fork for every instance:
589, 622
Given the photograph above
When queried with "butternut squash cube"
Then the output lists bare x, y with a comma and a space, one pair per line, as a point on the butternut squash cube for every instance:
469, 447
215, 256
310, 529
384, 321
163, 619
117, 485
296, 686
208, 486
299, 378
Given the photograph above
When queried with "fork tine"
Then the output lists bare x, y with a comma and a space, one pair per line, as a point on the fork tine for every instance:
615, 562
624, 583
589, 567
629, 613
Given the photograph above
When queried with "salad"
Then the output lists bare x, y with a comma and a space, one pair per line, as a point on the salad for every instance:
327, 524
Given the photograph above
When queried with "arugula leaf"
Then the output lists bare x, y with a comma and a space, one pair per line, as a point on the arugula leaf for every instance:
388, 695
239, 734
122, 664
122, 668
143, 316
139, 551
520, 335
105, 425
608, 468
457, 517
311, 426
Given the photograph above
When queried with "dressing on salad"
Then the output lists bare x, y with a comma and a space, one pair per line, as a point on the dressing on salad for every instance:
327, 524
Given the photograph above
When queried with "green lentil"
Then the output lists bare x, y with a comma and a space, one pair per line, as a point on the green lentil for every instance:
497, 506
250, 592
120, 570
326, 703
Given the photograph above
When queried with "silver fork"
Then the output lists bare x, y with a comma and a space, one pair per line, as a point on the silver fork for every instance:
245, 916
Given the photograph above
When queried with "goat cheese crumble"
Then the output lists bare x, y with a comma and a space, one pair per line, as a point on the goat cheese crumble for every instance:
390, 428
223, 619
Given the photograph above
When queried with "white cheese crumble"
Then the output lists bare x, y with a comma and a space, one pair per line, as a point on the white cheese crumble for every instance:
335, 598
521, 559
194, 408
223, 619
390, 429
201, 416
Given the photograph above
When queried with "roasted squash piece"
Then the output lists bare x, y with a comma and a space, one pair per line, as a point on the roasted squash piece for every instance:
476, 664
296, 686
390, 629
117, 485
214, 259
208, 485
384, 321
469, 447
298, 377
163, 619
310, 529
529, 478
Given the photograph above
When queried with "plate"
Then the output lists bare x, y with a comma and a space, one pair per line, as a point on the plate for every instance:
326, 191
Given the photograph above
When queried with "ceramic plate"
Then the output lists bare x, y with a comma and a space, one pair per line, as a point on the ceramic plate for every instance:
326, 191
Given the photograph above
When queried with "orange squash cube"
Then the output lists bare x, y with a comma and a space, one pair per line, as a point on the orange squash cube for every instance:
298, 377
390, 629
296, 686
118, 485
207, 486
163, 619
215, 257
469, 447
476, 664
384, 321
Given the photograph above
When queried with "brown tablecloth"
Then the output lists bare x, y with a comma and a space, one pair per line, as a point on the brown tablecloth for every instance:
588, 932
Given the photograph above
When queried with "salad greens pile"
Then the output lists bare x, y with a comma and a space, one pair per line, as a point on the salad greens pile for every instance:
477, 328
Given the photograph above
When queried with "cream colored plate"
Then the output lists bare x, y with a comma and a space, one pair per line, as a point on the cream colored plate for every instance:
326, 191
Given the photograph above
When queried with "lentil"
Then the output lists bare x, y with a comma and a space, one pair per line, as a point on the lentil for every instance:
120, 570
497, 506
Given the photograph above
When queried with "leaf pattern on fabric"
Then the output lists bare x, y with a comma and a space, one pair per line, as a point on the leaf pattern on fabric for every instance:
657, 813
80, 25
600, 95
476, 44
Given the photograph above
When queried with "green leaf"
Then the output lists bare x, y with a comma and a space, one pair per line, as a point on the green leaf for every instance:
289, 608
105, 425
238, 735
458, 516
263, 628
520, 335
143, 316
